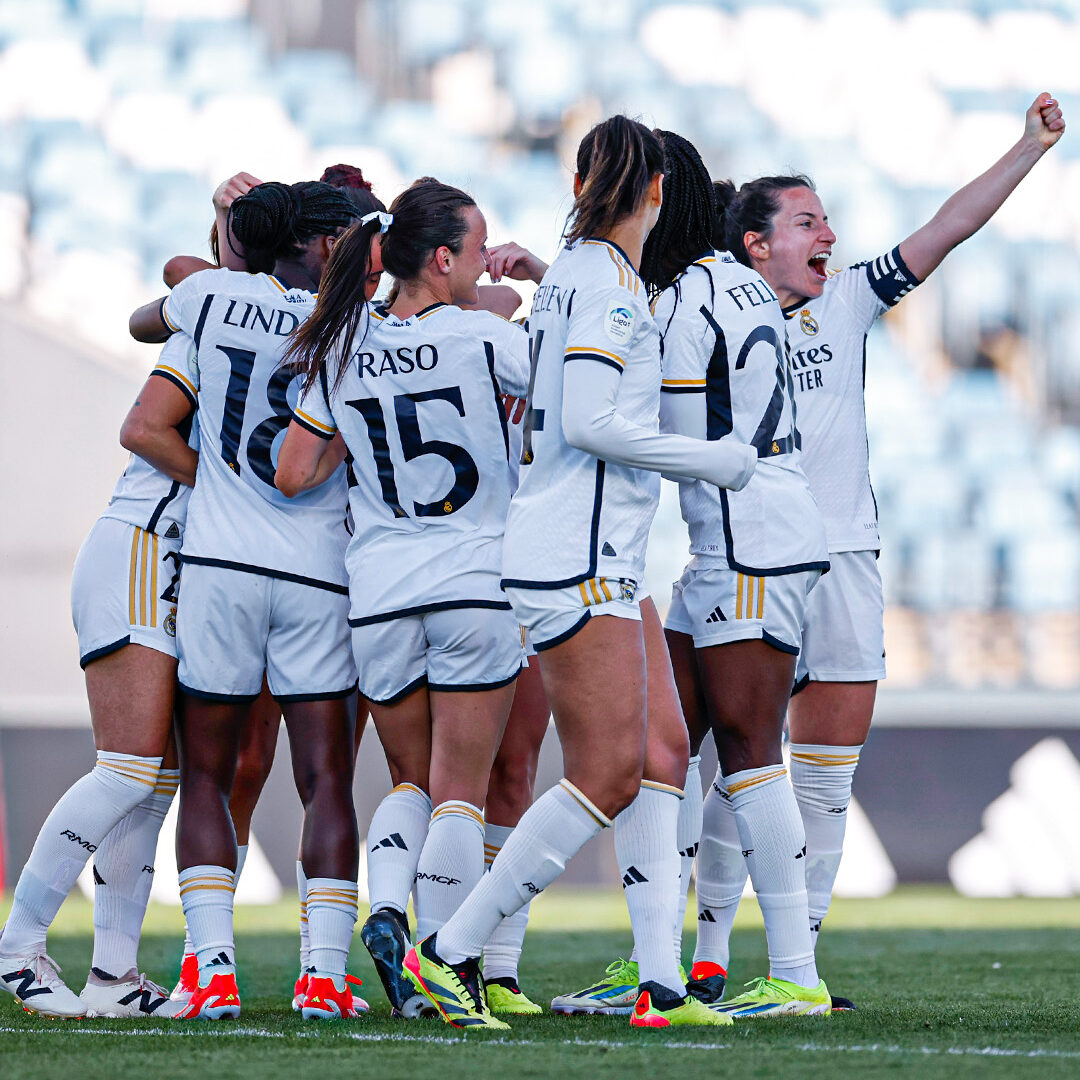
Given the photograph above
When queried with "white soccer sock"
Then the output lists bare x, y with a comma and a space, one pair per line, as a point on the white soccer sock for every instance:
241, 858
821, 777
331, 906
721, 876
648, 861
549, 834
503, 950
774, 846
396, 837
78, 823
687, 838
450, 864
206, 893
305, 934
124, 875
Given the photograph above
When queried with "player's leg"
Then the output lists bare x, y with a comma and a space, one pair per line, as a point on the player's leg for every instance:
130, 688
509, 795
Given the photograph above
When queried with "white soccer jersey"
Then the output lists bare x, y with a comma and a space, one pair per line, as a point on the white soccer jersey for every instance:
143, 496
574, 516
725, 360
237, 518
420, 410
827, 340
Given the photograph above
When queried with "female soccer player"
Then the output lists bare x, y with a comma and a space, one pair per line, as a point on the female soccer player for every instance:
264, 589
572, 567
777, 226
415, 390
735, 623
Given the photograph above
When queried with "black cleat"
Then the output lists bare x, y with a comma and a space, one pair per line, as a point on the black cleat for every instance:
708, 990
385, 935
842, 1004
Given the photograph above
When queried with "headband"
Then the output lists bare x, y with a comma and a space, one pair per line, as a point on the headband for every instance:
385, 220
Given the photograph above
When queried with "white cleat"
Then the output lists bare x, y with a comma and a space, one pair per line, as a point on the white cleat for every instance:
35, 983
130, 995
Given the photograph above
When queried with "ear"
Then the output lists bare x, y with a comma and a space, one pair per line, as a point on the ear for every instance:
444, 259
654, 194
757, 247
577, 185
325, 245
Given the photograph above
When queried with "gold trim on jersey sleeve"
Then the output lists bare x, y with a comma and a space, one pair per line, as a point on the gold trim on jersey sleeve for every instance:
303, 416
588, 350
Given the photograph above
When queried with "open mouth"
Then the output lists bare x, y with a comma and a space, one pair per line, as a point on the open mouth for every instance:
817, 264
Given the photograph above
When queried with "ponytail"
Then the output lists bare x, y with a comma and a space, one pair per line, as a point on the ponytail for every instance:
616, 161
753, 207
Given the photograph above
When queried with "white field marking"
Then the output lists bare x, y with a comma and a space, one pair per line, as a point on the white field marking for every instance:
198, 1030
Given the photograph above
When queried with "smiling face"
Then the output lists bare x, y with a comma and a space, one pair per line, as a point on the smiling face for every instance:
793, 258
463, 268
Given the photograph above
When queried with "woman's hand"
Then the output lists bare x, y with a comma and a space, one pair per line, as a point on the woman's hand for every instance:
513, 261
1044, 123
228, 191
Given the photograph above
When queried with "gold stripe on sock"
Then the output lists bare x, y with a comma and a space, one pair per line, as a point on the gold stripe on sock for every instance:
655, 785
824, 759
754, 781
586, 803
459, 811
409, 787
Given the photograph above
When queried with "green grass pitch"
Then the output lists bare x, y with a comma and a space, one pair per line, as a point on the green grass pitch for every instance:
946, 987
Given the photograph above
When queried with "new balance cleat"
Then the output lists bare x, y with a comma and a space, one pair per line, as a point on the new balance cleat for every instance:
707, 982
218, 1000
36, 985
189, 979
456, 990
326, 1000
776, 997
505, 996
842, 1004
659, 1007
300, 989
130, 995
614, 995
385, 935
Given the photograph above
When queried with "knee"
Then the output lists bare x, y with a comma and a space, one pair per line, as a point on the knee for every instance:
510, 787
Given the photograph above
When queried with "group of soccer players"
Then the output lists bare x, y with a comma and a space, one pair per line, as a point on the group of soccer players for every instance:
421, 507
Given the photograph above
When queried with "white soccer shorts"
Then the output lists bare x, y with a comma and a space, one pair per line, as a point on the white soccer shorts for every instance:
449, 649
234, 625
717, 606
552, 616
123, 590
843, 632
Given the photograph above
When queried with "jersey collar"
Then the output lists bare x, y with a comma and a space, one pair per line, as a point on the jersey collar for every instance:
790, 311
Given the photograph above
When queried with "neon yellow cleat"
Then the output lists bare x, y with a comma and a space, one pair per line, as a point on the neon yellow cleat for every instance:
776, 997
658, 1007
456, 990
506, 997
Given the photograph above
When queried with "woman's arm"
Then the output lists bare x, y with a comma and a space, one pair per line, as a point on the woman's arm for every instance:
148, 323
228, 191
969, 209
150, 430
182, 266
306, 460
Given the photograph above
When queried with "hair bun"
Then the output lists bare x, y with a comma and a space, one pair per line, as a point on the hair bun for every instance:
345, 176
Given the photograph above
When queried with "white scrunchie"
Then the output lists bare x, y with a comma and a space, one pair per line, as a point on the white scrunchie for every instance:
385, 219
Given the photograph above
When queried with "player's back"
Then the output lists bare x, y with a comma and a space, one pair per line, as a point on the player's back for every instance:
573, 515
419, 408
723, 339
237, 517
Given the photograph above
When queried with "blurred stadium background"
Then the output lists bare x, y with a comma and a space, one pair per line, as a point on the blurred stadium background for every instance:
119, 117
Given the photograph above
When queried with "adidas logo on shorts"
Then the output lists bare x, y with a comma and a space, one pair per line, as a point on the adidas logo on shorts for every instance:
716, 615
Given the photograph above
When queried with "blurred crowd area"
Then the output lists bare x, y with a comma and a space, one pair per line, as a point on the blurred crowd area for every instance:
119, 117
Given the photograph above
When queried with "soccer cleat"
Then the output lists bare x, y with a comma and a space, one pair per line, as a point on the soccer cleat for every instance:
776, 997
127, 995
659, 1007
36, 985
218, 1000
842, 1004
300, 989
189, 979
325, 1000
456, 990
614, 995
707, 982
385, 935
505, 996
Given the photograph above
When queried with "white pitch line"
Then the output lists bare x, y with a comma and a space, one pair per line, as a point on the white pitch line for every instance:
199, 1031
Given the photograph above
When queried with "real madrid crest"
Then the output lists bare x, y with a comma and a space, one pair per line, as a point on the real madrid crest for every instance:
806, 321
169, 623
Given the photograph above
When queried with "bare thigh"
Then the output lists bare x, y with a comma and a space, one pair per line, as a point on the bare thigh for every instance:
513, 774
684, 666
131, 694
404, 729
832, 713
667, 747
595, 682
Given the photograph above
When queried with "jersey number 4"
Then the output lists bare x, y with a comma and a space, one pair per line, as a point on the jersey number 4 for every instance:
414, 445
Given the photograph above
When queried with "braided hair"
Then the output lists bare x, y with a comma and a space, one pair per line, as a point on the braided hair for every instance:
687, 226
616, 161
349, 180
752, 208
274, 221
